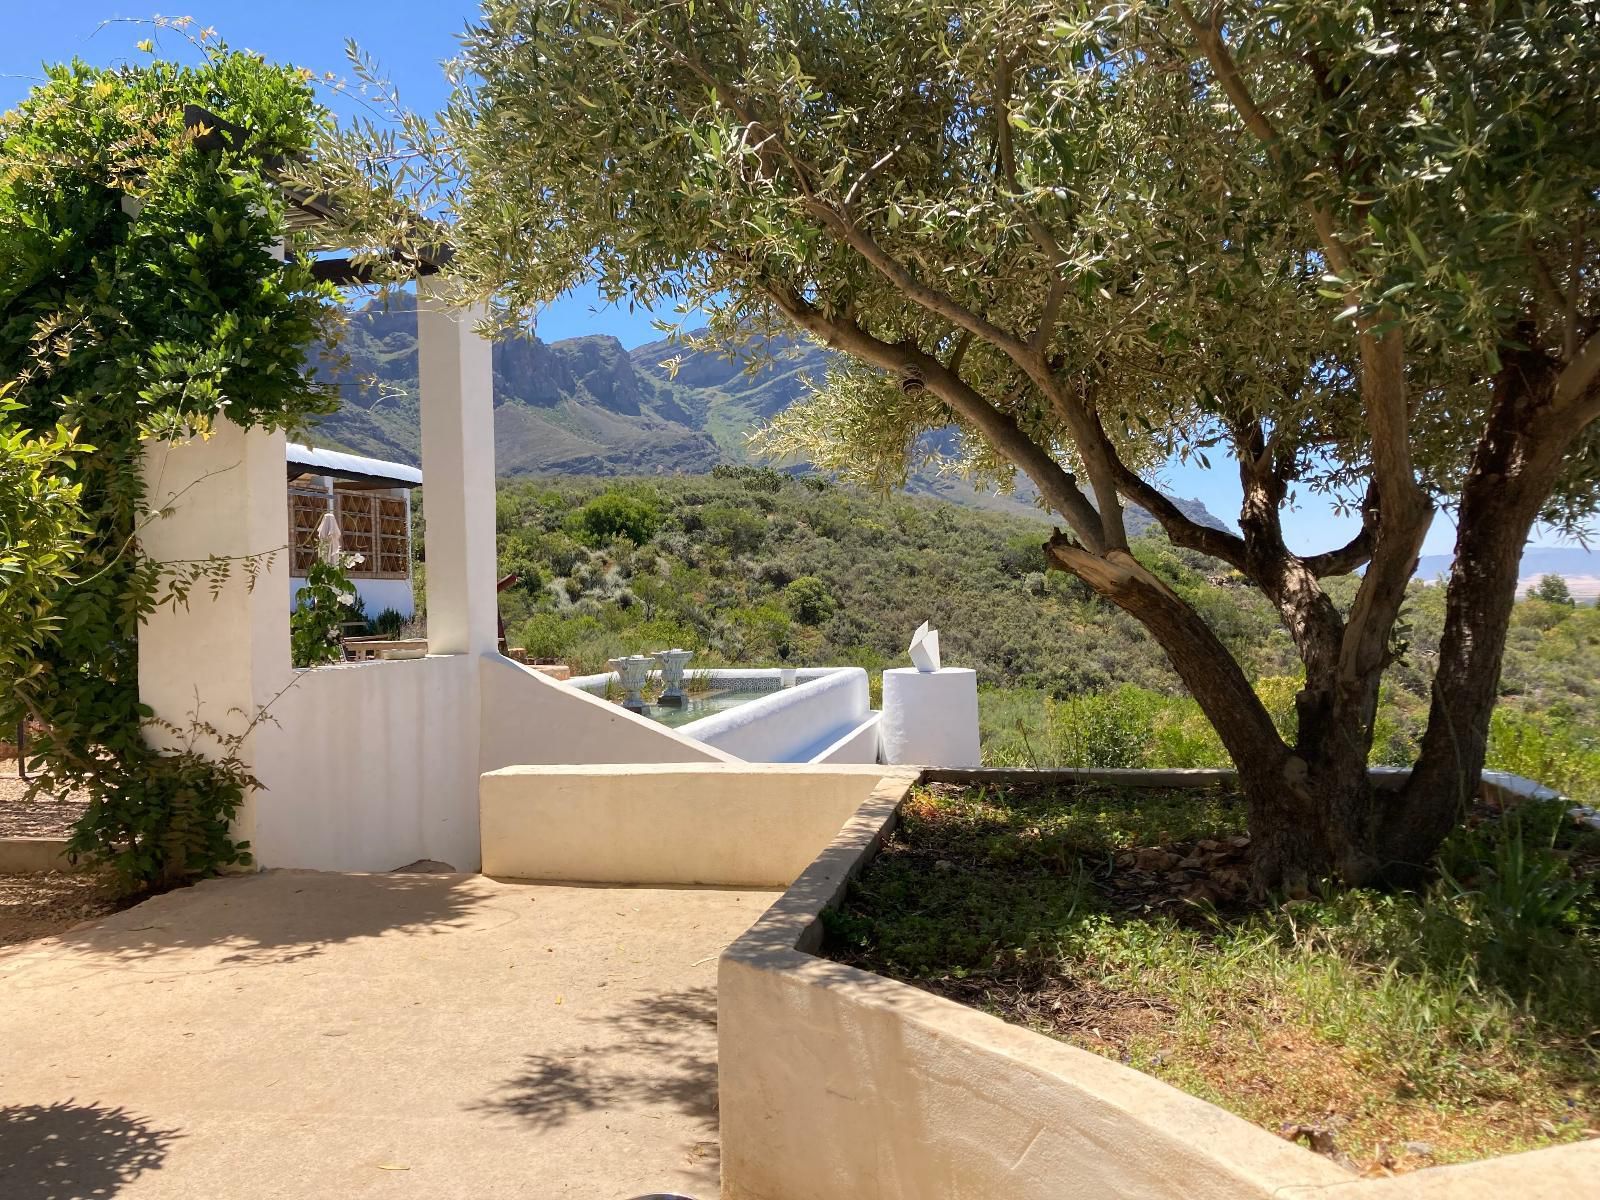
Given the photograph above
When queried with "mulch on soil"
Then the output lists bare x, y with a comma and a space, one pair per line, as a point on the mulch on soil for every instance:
36, 906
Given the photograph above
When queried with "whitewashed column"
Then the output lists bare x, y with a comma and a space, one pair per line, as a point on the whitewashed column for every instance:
220, 658
456, 377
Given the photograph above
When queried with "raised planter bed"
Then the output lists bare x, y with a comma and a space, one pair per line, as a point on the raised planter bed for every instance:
839, 1082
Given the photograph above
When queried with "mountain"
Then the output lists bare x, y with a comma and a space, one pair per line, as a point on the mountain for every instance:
1579, 566
577, 407
587, 406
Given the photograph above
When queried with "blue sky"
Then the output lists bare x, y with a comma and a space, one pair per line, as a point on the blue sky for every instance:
410, 38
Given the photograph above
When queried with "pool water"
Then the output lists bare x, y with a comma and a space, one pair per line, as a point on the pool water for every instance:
704, 704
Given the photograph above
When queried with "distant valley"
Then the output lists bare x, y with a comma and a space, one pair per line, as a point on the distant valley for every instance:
1580, 567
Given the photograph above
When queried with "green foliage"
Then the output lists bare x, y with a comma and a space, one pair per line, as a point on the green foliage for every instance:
616, 515
1068, 680
1559, 751
41, 523
882, 564
388, 623
140, 303
170, 821
321, 608
736, 529
1552, 589
809, 600
1123, 727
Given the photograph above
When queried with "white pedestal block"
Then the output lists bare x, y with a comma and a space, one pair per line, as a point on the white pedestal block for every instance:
930, 718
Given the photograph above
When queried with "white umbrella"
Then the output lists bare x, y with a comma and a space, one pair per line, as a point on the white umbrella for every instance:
329, 538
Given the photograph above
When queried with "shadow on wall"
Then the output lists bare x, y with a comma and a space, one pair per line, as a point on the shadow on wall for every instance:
82, 1151
283, 917
677, 1034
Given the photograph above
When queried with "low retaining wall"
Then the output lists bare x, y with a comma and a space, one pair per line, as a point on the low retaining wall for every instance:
34, 856
837, 1082
730, 825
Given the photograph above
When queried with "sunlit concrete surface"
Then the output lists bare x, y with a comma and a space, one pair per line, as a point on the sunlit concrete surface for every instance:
305, 1035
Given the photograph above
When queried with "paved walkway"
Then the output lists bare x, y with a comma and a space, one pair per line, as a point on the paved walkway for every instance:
306, 1035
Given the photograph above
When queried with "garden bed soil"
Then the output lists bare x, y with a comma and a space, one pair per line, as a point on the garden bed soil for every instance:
37, 906
1389, 1032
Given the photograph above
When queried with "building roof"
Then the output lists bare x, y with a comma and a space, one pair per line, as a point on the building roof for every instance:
335, 464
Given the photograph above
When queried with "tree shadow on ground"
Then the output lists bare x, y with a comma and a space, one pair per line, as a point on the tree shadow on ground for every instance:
70, 1151
662, 1051
286, 916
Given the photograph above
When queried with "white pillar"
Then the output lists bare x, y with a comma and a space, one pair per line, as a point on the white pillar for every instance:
220, 658
930, 718
456, 378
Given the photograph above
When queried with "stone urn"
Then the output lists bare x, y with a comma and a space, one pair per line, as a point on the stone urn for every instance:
672, 665
633, 672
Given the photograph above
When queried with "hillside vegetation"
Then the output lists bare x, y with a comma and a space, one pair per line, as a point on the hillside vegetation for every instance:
749, 566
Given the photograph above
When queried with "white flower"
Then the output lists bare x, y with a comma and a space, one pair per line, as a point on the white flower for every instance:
347, 597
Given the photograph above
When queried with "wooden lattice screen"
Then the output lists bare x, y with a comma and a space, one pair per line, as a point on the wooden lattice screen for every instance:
306, 506
394, 538
353, 511
371, 525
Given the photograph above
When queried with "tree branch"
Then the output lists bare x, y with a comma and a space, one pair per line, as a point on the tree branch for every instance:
1037, 229
938, 302
1383, 354
1569, 312
1208, 36
1058, 487
1181, 529
1578, 384
1346, 558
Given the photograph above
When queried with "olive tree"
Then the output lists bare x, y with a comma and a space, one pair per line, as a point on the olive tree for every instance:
1347, 246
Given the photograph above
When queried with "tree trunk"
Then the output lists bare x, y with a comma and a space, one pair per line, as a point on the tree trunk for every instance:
1311, 813
1514, 470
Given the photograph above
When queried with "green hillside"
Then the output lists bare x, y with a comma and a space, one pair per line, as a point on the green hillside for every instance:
752, 567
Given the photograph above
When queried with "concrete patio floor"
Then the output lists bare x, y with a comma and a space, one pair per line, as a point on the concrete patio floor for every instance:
297, 1034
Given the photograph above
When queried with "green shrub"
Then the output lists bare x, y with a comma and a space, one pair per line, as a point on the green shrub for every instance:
1105, 729
1561, 754
616, 515
388, 623
737, 530
321, 609
809, 600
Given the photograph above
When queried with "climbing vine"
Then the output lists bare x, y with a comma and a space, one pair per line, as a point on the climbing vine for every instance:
321, 608
141, 303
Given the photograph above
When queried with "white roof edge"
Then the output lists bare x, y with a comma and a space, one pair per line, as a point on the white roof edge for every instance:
355, 464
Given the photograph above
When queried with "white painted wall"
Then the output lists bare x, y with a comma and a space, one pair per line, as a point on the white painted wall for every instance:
531, 718
455, 377
860, 745
930, 718
223, 656
793, 725
376, 595
370, 766
834, 1082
